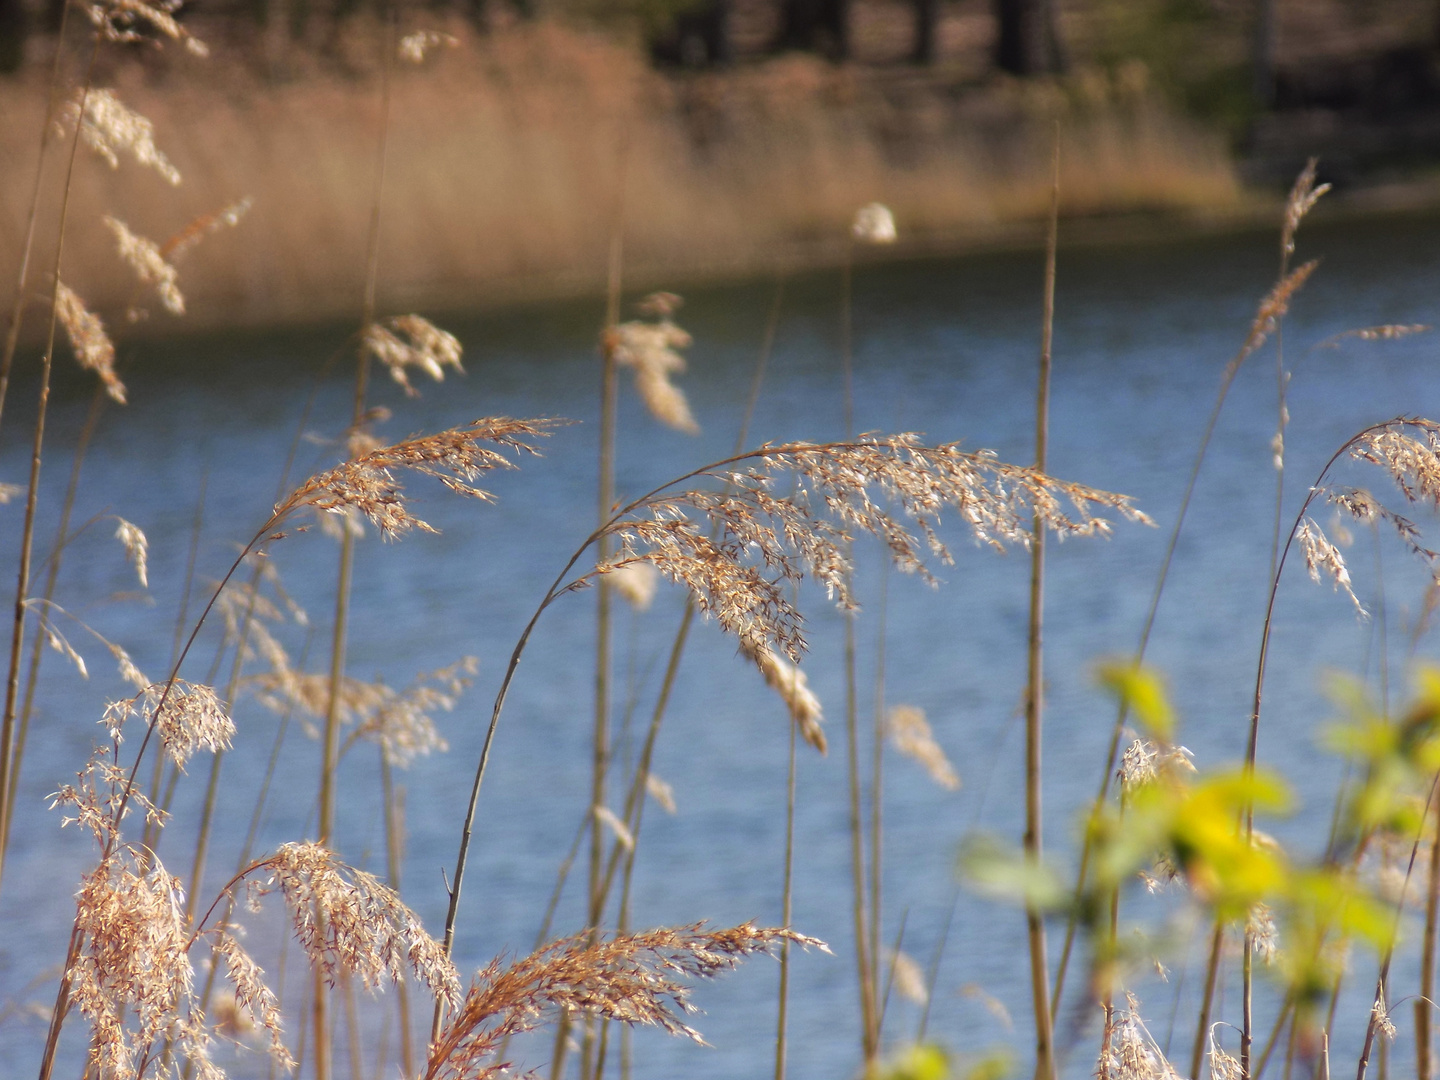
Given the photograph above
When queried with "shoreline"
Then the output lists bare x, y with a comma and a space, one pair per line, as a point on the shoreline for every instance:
505, 168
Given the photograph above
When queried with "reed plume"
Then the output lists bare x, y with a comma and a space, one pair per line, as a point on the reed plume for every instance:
629, 978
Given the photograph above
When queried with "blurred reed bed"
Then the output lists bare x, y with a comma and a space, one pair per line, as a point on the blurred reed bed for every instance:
517, 132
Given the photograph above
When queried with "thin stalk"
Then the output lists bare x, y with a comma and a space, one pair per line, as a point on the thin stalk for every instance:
864, 966
932, 974
22, 281
877, 790
890, 969
1032, 843
331, 732
1212, 973
786, 896
52, 575
394, 855
633, 808
1252, 342
27, 533
1424, 1004
1382, 980
605, 496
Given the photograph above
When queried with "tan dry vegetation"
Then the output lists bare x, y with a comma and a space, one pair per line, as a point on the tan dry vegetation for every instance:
505, 156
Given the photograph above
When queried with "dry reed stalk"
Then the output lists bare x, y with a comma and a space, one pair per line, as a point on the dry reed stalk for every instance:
790, 541
1032, 842
1423, 1067
330, 742
1271, 309
877, 799
786, 898
631, 979
52, 575
27, 536
32, 217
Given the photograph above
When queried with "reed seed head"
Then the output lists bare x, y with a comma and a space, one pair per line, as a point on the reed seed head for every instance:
874, 224
110, 128
415, 47
143, 256
351, 922
410, 341
455, 457
910, 734
629, 978
93, 348
651, 350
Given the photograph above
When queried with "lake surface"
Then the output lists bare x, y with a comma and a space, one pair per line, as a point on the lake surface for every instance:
944, 348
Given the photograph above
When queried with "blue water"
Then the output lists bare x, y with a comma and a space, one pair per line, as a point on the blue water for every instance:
944, 348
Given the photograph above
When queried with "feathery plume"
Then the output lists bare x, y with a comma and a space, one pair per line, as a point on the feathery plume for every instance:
764, 542
911, 735
350, 922
399, 721
650, 350
787, 680
92, 346
1320, 554
636, 582
128, 20
110, 128
1131, 1053
203, 226
454, 457
191, 718
143, 257
415, 47
251, 993
137, 548
874, 224
1264, 938
908, 978
661, 792
1144, 762
412, 341
1303, 197
611, 820
629, 978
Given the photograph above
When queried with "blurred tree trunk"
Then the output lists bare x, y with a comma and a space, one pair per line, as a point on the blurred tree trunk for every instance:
1263, 54
13, 25
1028, 38
817, 25
927, 16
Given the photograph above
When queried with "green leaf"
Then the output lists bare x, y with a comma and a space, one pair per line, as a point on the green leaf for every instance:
1004, 873
1141, 690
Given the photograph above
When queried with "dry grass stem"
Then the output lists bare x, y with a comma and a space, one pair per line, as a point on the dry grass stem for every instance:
93, 348
911, 735
411, 341
110, 128
629, 978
